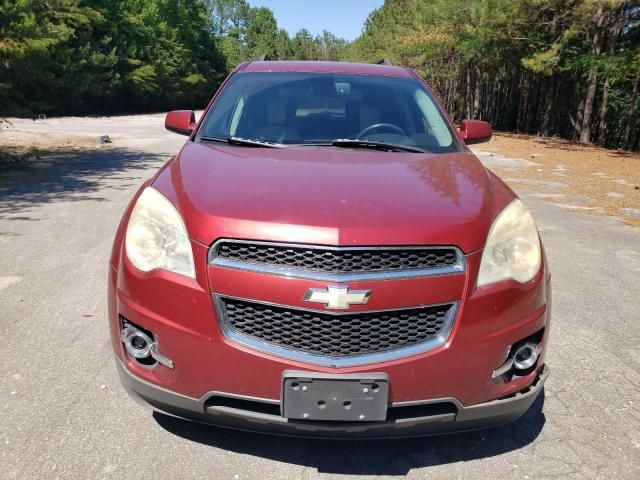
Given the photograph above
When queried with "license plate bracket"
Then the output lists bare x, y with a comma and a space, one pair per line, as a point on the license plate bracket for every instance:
361, 397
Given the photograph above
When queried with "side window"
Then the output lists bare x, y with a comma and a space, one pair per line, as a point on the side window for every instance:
433, 118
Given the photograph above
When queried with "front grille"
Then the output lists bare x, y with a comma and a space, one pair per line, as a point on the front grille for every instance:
335, 260
334, 335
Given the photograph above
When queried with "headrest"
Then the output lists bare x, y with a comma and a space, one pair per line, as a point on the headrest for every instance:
279, 109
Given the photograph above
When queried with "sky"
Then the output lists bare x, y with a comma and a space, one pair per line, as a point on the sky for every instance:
343, 18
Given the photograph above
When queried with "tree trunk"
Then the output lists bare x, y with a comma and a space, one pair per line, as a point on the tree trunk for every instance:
533, 109
612, 41
631, 117
522, 103
548, 108
494, 100
603, 113
476, 96
598, 42
577, 125
469, 104
585, 130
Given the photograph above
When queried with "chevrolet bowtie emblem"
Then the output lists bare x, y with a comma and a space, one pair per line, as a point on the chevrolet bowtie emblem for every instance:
337, 298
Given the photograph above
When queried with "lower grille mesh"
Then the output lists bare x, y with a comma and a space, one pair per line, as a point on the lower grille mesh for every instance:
335, 336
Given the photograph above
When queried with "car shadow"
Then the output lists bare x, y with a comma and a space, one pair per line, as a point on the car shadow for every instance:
368, 457
73, 175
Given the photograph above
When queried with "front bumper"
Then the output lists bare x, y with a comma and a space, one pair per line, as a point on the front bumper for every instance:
257, 414
219, 381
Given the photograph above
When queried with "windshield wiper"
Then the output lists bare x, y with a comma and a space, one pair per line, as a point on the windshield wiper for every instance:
374, 145
247, 142
338, 142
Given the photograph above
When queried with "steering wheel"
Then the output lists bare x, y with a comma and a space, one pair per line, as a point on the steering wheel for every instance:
381, 126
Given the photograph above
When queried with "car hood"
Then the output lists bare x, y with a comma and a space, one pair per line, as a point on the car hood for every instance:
332, 196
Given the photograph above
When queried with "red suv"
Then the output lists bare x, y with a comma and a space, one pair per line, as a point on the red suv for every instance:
325, 256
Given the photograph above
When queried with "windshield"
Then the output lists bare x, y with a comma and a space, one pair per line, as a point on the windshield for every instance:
320, 108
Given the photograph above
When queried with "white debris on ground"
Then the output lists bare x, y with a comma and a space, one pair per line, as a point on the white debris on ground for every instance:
632, 212
494, 160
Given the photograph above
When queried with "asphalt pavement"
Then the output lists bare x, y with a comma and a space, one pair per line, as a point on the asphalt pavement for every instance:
65, 415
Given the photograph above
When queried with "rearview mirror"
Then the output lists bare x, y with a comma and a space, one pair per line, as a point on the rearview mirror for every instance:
180, 121
475, 131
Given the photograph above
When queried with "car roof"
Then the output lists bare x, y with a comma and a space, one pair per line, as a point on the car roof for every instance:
327, 67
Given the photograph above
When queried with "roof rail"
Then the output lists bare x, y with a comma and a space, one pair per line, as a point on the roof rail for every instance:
384, 61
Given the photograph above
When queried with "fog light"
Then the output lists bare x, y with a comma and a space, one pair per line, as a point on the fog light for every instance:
525, 356
519, 359
142, 347
137, 343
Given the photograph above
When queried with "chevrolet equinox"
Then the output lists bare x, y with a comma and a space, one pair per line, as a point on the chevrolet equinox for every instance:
326, 257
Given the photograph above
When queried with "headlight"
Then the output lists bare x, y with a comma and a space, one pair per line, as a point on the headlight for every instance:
156, 236
512, 249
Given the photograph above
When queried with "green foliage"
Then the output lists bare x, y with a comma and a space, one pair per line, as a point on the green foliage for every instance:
303, 46
262, 30
284, 49
91, 56
229, 18
523, 65
545, 62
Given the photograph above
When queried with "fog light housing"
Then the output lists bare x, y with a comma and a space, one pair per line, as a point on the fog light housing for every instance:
525, 356
142, 346
522, 357
137, 342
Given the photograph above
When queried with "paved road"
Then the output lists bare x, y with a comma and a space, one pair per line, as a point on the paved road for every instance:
64, 414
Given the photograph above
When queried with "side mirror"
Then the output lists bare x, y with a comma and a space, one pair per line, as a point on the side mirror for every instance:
475, 131
180, 121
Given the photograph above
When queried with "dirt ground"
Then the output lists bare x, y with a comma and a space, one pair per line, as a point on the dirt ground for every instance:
586, 178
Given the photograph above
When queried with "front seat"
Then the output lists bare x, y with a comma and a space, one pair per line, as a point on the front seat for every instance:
280, 114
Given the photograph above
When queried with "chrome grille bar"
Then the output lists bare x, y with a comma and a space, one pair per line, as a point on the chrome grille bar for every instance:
337, 264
